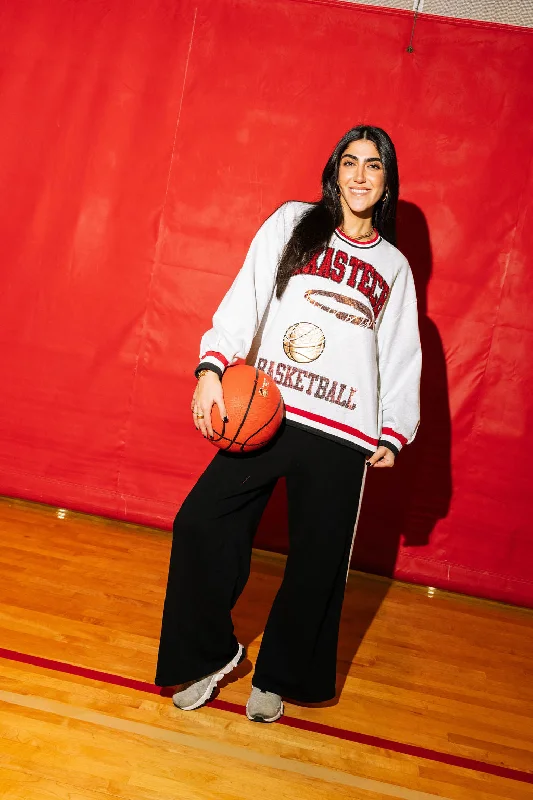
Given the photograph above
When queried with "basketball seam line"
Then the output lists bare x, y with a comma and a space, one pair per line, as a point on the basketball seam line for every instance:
243, 445
243, 420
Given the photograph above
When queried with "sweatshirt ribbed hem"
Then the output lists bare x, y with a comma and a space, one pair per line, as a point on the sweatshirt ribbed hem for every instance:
327, 435
332, 428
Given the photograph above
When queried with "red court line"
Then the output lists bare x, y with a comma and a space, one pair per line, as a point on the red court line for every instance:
290, 722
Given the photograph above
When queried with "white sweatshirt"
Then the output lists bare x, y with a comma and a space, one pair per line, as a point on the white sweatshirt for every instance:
342, 343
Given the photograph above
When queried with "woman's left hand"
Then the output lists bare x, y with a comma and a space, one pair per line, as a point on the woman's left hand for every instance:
383, 457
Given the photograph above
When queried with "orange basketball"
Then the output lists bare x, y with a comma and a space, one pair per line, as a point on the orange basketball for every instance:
254, 406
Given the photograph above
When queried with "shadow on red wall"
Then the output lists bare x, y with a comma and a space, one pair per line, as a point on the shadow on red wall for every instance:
409, 500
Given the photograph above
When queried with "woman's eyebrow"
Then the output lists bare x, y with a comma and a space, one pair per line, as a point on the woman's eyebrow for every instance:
366, 160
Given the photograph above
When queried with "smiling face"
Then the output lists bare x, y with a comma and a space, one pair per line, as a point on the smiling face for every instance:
361, 179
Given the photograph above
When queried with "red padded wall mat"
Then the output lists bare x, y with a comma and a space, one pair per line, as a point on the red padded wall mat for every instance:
143, 142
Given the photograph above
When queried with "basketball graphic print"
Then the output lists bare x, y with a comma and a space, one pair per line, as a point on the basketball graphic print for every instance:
304, 342
344, 308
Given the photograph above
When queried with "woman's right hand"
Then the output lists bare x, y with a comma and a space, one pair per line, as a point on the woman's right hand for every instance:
208, 391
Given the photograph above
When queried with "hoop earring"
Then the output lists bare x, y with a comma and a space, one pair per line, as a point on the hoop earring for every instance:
337, 189
385, 197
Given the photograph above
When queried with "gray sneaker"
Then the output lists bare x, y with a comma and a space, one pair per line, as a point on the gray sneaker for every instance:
264, 706
199, 692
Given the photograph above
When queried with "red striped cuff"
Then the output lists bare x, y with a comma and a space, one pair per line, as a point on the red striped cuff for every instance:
220, 356
391, 435
216, 358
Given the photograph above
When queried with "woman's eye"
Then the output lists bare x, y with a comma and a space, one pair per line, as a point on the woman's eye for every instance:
375, 166
347, 163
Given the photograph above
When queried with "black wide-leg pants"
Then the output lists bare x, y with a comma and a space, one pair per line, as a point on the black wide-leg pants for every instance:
210, 564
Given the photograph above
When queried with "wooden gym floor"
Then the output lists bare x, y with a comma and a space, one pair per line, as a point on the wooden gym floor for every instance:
436, 693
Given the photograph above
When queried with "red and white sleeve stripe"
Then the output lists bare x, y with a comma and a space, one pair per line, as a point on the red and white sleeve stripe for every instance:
392, 436
216, 358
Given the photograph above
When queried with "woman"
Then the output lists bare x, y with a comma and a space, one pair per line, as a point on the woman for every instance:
328, 305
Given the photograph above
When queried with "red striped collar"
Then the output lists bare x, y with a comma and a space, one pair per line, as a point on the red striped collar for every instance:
356, 242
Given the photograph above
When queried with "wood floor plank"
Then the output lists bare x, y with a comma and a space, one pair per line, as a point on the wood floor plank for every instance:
124, 761
439, 671
302, 746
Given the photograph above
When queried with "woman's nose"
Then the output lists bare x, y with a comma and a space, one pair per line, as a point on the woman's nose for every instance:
359, 175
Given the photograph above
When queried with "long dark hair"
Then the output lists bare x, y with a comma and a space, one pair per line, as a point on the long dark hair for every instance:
315, 229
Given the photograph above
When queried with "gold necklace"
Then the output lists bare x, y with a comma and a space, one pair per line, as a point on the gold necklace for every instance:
362, 236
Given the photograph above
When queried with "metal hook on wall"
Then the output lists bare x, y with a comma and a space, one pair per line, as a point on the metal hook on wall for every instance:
418, 6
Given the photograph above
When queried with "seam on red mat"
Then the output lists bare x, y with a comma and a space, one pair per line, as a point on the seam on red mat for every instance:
107, 492
486, 572
405, 12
